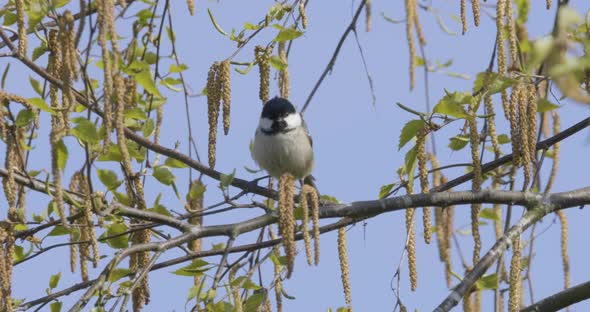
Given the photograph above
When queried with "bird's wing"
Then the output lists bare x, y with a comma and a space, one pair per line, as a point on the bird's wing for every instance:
304, 126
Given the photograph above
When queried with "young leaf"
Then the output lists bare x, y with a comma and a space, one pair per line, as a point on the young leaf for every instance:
109, 179
217, 27
85, 131
36, 86
40, 104
409, 131
385, 189
489, 214
544, 105
287, 34
24, 118
62, 154
174, 163
145, 79
55, 306
54, 280
118, 274
458, 142
164, 175
452, 104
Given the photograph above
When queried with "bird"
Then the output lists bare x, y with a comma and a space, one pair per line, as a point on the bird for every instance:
282, 142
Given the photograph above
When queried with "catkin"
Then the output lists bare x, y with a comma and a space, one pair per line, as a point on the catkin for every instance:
191, 6
6, 251
410, 212
476, 183
303, 14
284, 80
548, 4
309, 195
262, 56
564, 250
476, 11
512, 40
368, 7
515, 279
194, 206
73, 187
514, 124
523, 129
22, 29
277, 274
105, 24
287, 219
464, 16
423, 173
68, 68
213, 98
531, 114
501, 51
225, 81
491, 125
410, 11
344, 268
304, 225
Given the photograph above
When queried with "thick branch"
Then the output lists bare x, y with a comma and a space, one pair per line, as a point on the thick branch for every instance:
561, 299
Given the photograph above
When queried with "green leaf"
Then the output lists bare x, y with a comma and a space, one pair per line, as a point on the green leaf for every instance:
136, 113
145, 79
123, 198
157, 208
174, 163
40, 104
253, 302
250, 26
193, 292
458, 142
409, 131
487, 282
493, 82
118, 274
170, 83
150, 57
287, 34
109, 179
119, 240
410, 164
544, 105
148, 128
198, 266
164, 175
490, 214
227, 179
217, 27
36, 86
54, 280
171, 35
452, 104
59, 230
39, 51
19, 253
244, 283
55, 306
177, 68
24, 117
9, 18
385, 189
113, 153
197, 190
277, 63
504, 139
85, 131
62, 154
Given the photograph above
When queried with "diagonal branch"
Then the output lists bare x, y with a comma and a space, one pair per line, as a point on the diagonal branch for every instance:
561, 299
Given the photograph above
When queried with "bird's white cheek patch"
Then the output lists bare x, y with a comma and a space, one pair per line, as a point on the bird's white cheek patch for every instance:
293, 121
265, 124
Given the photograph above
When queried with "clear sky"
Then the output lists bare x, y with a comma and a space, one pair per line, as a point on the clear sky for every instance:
355, 146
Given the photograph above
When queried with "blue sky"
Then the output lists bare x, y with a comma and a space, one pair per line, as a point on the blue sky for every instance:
355, 146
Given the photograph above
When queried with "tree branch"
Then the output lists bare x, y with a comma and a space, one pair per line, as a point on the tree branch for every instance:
561, 299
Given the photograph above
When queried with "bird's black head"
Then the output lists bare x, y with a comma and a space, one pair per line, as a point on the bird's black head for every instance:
277, 108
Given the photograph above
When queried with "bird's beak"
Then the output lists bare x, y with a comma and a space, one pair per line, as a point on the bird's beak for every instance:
279, 125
